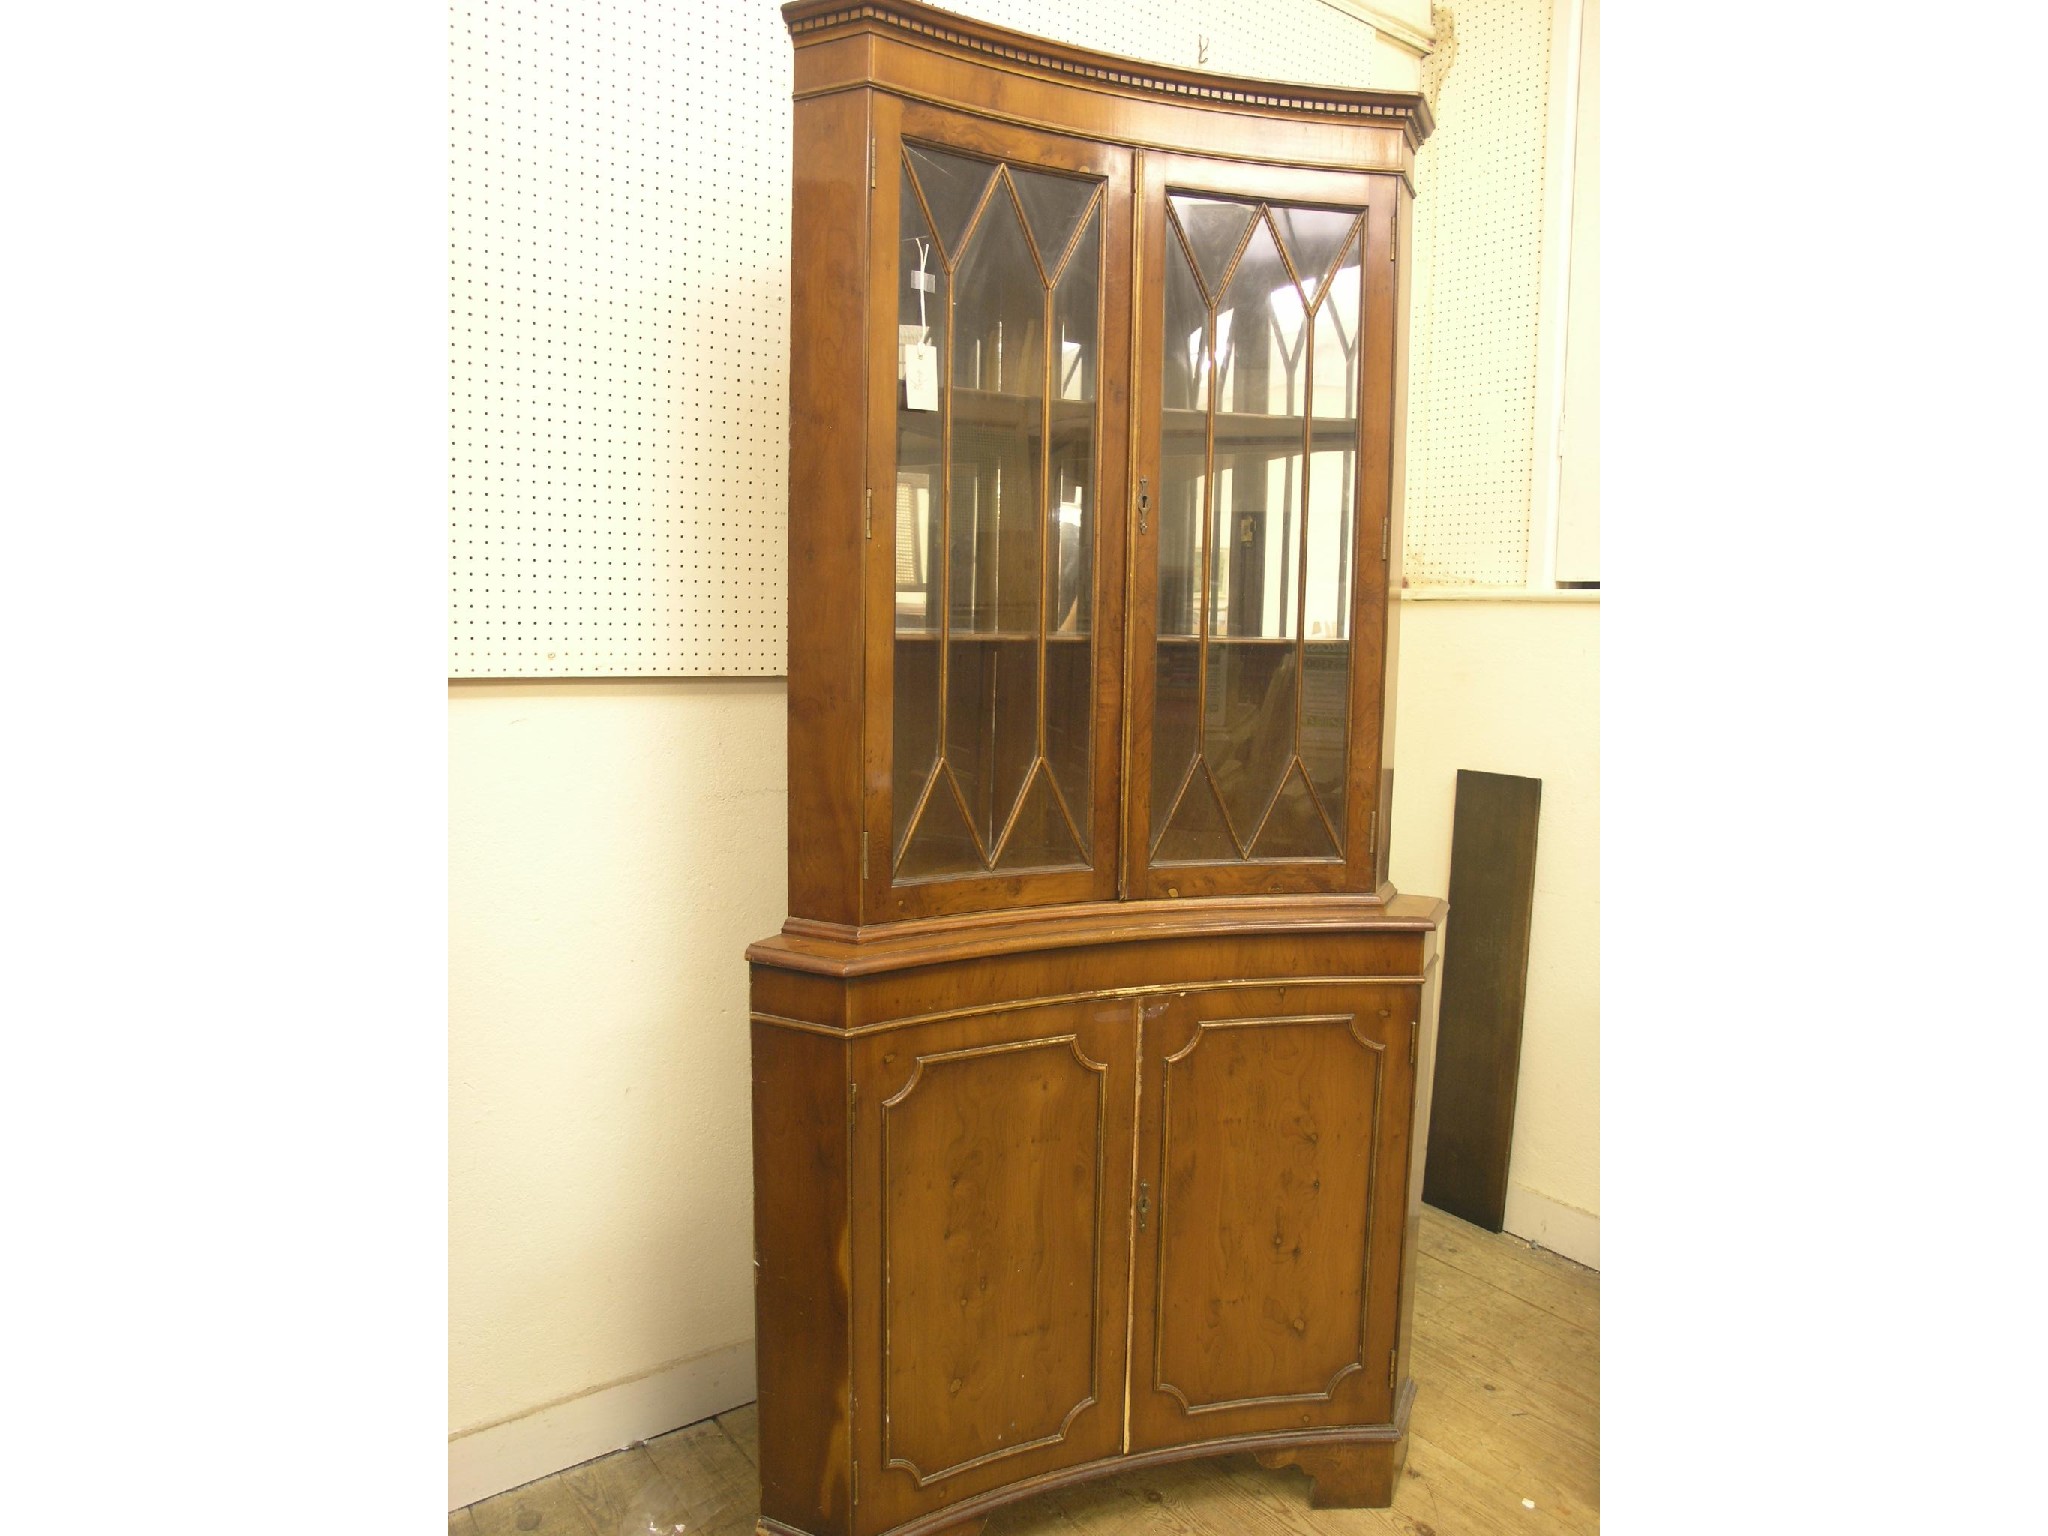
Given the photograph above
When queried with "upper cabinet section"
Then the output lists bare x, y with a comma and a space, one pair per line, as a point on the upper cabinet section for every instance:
1092, 375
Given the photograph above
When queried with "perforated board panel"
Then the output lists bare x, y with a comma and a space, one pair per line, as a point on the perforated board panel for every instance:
619, 310
1478, 269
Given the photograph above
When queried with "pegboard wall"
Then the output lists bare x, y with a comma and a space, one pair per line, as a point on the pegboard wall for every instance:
619, 309
1475, 298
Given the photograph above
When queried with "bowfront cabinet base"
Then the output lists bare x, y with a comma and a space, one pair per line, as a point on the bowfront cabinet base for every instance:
1030, 1215
1357, 1476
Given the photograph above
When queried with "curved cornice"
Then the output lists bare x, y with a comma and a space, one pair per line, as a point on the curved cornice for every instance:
807, 19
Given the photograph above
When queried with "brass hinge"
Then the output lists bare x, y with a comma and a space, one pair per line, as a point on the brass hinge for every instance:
1372, 838
1393, 1364
869, 515
871, 162
1414, 1034
856, 1482
1394, 237
1386, 536
863, 855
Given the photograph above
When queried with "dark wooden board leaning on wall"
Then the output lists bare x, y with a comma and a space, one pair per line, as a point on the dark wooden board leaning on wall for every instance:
1486, 982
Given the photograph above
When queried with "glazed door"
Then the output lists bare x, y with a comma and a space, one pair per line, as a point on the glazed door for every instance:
1265, 416
992, 1178
1000, 339
1272, 1147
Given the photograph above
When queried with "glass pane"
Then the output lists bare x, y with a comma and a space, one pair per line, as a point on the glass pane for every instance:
940, 843
1179, 502
916, 744
1248, 733
1312, 236
1325, 714
1070, 488
1261, 358
999, 323
1252, 703
1053, 204
920, 328
1175, 726
921, 321
1294, 829
1333, 462
1040, 837
1196, 834
1069, 727
991, 726
953, 185
1214, 229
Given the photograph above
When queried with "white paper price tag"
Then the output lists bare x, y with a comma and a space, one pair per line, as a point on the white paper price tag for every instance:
921, 378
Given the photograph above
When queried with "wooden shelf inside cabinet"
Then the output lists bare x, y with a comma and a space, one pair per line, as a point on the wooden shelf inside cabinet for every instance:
1073, 806
1254, 430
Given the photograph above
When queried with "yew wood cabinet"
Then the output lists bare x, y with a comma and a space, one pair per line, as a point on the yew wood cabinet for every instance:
1088, 1068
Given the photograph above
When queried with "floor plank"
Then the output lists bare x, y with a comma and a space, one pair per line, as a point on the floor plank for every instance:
543, 1508
1568, 1291
720, 1488
625, 1492
743, 1424
1506, 1359
1529, 1340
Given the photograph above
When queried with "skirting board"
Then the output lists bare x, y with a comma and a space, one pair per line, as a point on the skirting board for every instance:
500, 1456
1563, 1229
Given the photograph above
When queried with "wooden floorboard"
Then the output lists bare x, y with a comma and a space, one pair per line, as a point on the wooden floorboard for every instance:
1505, 1438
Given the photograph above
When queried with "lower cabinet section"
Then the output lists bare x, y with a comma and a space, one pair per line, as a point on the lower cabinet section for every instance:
992, 1177
1064, 1230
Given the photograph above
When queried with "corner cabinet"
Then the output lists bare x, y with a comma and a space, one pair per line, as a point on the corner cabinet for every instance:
1087, 1122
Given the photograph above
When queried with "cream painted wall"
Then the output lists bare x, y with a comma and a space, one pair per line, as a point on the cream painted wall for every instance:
1514, 687
614, 848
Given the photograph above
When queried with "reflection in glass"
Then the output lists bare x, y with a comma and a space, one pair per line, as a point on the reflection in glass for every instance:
921, 319
1260, 410
953, 185
995, 688
1214, 229
1261, 372
1053, 206
1071, 462
1312, 237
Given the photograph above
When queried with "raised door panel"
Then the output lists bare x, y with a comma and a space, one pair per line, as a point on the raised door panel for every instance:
992, 1158
1264, 367
1272, 1148
999, 334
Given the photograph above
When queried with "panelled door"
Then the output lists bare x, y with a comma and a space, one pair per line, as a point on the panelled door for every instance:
1000, 341
1264, 367
1264, 1296
992, 1158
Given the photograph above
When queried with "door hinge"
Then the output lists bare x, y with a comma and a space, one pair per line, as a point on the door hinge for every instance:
1394, 237
1386, 536
871, 162
1372, 838
869, 515
856, 1482
1393, 1364
863, 855
1414, 1034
